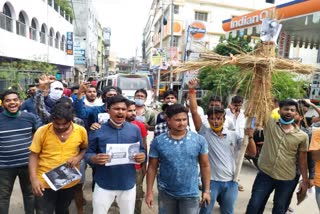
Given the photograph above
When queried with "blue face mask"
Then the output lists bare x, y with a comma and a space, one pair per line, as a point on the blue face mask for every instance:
139, 102
284, 122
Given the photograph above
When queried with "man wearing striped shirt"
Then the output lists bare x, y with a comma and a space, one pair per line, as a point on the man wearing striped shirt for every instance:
16, 130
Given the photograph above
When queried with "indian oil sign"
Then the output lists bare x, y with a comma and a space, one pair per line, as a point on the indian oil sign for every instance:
250, 20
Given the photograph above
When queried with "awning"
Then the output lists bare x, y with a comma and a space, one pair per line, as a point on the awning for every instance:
300, 21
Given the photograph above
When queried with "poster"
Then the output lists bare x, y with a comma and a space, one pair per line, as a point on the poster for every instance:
270, 30
122, 153
61, 176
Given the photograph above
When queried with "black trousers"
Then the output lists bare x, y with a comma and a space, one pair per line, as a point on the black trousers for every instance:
55, 201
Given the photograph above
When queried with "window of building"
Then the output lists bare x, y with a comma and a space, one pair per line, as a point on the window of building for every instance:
21, 25
318, 56
43, 34
62, 42
50, 2
56, 6
176, 9
51, 36
6, 18
33, 30
201, 16
175, 41
56, 40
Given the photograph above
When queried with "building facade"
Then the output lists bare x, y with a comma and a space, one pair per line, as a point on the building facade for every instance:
36, 30
208, 13
86, 28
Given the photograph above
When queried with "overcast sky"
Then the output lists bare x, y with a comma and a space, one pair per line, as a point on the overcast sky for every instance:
126, 18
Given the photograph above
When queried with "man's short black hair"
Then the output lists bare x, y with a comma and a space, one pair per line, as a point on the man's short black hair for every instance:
130, 103
7, 92
288, 102
215, 110
31, 86
170, 92
176, 109
63, 109
106, 89
142, 90
164, 107
215, 98
92, 86
115, 99
237, 99
75, 87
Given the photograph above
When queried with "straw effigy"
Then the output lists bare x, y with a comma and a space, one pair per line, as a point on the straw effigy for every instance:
262, 63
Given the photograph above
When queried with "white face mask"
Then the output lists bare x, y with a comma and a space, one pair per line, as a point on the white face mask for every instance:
55, 94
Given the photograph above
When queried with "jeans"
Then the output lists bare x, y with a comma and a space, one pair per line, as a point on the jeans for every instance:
261, 190
177, 205
296, 180
7, 179
57, 202
318, 196
227, 193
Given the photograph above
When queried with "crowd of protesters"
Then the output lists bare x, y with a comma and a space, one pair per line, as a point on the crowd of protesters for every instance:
193, 155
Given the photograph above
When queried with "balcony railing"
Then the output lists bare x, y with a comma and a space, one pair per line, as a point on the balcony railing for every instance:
5, 22
33, 34
42, 37
21, 28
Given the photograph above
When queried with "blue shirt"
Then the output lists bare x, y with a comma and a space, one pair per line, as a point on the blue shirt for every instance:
178, 160
28, 105
89, 114
118, 177
15, 138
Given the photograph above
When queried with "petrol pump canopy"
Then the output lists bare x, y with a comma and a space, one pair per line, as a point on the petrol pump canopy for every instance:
300, 21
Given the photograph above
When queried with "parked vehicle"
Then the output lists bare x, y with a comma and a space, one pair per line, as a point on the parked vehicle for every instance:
128, 83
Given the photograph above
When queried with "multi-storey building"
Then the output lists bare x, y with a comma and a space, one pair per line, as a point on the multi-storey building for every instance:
208, 13
36, 30
86, 27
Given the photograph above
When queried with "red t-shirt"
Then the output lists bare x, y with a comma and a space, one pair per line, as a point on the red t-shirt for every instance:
144, 133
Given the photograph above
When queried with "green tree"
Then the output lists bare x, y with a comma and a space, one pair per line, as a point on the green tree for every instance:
18, 75
232, 46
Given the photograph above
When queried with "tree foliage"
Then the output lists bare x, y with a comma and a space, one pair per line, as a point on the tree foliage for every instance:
18, 75
232, 46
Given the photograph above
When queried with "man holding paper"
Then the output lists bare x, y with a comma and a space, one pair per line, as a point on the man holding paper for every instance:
114, 180
54, 144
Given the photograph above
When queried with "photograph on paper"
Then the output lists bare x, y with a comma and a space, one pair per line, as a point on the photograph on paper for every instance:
122, 153
270, 30
61, 176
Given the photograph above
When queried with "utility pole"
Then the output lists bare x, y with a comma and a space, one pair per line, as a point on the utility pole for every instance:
171, 45
161, 52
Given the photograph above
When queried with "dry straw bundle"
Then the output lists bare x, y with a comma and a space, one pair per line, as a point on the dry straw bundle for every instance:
262, 63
